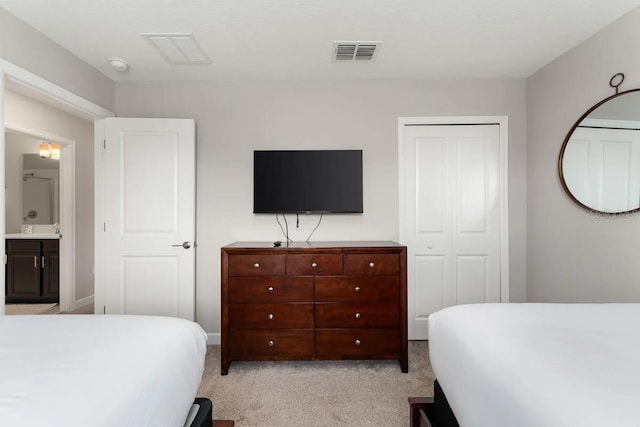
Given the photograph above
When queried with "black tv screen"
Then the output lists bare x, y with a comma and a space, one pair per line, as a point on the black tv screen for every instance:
311, 181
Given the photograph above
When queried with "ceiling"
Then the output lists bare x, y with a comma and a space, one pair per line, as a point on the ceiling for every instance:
293, 39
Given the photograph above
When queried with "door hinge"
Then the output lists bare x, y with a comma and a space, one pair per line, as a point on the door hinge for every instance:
104, 309
104, 144
104, 227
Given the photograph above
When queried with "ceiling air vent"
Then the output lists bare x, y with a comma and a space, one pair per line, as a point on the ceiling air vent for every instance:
355, 51
177, 48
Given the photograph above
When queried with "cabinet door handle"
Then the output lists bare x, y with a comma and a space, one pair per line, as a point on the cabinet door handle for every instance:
35, 261
44, 263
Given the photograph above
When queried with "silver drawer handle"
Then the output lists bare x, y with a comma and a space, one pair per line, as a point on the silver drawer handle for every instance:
314, 264
270, 289
256, 265
356, 289
270, 343
372, 264
270, 316
357, 315
357, 342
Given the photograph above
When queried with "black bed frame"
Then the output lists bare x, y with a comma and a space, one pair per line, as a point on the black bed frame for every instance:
204, 417
432, 411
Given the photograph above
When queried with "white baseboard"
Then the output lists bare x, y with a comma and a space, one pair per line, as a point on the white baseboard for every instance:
213, 339
82, 302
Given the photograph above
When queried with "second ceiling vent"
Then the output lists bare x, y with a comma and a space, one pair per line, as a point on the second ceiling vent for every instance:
355, 51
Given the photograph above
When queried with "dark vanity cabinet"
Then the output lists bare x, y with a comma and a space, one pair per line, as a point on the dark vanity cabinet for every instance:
32, 271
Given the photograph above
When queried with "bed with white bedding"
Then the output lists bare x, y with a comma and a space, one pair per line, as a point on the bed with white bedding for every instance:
85, 370
538, 364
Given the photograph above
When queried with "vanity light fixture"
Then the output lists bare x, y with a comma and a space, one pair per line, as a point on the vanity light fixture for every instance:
50, 151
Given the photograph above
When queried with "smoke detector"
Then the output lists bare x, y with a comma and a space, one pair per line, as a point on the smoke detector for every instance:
355, 51
119, 64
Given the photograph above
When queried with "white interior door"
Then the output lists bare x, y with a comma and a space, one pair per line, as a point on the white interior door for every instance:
451, 216
147, 244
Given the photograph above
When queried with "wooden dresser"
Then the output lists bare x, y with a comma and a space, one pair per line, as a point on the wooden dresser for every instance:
314, 301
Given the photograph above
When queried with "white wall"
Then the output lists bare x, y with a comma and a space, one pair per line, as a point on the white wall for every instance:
25, 47
40, 118
233, 119
574, 256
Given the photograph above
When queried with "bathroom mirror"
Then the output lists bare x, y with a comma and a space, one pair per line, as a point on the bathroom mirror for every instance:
18, 185
40, 187
599, 162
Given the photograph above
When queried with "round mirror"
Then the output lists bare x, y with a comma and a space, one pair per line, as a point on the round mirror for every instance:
599, 162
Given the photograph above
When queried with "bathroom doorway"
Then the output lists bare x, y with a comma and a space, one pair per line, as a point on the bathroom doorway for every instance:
37, 212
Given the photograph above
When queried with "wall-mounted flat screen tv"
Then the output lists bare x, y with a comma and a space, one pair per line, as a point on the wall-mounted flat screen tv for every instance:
307, 181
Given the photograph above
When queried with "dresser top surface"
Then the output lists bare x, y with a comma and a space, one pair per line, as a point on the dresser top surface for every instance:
315, 245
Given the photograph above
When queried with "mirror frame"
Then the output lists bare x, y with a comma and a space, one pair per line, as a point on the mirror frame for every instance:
564, 147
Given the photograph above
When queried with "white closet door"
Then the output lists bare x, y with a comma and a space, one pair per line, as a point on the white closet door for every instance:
149, 213
451, 218
601, 166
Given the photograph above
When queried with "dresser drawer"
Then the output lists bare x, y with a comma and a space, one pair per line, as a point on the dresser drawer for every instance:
367, 343
357, 288
357, 315
270, 289
371, 264
314, 265
257, 344
256, 265
271, 316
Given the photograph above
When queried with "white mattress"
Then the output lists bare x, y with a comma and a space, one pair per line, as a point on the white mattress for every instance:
86, 370
539, 364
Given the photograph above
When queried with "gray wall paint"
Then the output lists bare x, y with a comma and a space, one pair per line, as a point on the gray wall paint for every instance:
233, 119
25, 47
574, 256
40, 118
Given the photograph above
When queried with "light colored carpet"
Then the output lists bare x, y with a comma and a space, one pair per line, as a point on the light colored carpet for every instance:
44, 309
30, 308
87, 309
319, 393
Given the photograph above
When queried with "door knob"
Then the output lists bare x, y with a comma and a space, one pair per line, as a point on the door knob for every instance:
185, 245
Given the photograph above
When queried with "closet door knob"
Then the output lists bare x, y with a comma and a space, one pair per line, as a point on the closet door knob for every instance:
357, 315
256, 265
314, 264
356, 289
185, 245
270, 316
357, 342
372, 264
270, 289
270, 343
